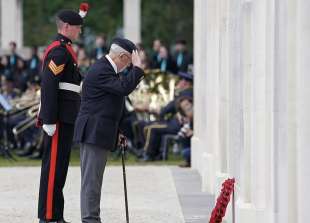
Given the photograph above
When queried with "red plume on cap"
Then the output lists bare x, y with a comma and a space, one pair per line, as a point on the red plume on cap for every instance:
84, 7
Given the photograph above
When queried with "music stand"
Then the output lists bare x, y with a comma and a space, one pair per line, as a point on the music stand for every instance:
7, 107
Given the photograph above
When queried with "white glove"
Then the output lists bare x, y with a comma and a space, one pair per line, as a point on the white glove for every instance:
49, 129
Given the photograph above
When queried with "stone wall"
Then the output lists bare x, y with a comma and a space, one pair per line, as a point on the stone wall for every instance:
252, 104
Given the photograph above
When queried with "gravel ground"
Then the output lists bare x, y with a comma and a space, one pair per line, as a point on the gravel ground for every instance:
151, 193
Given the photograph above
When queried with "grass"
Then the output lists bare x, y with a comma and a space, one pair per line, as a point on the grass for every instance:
75, 161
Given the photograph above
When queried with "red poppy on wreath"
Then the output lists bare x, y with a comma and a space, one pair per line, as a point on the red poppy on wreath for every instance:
222, 201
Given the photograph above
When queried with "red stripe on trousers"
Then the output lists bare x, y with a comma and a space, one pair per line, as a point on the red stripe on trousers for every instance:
51, 177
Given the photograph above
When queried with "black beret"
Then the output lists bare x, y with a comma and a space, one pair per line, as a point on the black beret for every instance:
126, 44
70, 17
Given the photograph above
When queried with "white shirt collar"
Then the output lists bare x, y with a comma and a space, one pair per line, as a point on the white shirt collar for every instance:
112, 63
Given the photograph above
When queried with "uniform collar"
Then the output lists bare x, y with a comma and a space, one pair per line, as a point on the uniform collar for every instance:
112, 63
63, 38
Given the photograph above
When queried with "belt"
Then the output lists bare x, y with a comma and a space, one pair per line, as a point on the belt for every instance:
70, 87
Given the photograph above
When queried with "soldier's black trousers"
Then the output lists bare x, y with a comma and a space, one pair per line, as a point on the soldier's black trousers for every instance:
55, 162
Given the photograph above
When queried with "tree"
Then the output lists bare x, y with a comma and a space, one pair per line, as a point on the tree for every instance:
39, 16
168, 20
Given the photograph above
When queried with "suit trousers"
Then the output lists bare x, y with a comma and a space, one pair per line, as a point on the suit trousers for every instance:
54, 169
93, 162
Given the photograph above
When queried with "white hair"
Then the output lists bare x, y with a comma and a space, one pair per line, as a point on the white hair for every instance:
115, 50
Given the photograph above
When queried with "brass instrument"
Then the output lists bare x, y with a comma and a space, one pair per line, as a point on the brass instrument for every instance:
30, 121
27, 100
155, 91
29, 103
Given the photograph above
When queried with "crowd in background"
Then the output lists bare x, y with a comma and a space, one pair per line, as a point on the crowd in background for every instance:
149, 139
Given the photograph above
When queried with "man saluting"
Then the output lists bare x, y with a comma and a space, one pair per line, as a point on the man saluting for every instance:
60, 102
97, 124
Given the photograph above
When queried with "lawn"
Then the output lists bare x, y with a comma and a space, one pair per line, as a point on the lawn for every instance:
75, 160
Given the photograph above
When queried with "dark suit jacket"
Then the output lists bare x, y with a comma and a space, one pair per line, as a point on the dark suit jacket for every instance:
187, 59
103, 97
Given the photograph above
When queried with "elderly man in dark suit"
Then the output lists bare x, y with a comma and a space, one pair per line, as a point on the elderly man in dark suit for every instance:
101, 111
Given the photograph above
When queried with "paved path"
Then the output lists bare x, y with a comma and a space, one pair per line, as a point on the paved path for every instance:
153, 197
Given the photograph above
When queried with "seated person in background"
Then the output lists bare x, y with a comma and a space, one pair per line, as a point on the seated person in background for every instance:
83, 60
34, 66
7, 88
9, 93
165, 63
181, 56
101, 48
129, 117
154, 132
155, 59
20, 76
185, 107
184, 87
12, 58
3, 63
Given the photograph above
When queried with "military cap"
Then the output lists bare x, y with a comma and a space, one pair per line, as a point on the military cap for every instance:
186, 76
71, 17
125, 44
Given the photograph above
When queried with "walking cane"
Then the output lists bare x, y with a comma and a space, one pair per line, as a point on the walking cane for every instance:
124, 178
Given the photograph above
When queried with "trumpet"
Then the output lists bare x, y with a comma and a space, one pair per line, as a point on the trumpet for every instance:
30, 121
29, 103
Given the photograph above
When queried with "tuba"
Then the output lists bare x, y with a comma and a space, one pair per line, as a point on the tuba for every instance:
154, 92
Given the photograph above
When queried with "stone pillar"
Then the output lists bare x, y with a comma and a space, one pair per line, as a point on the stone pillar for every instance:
303, 110
11, 22
199, 151
212, 94
261, 155
224, 86
260, 167
221, 153
132, 20
269, 97
285, 206
235, 120
247, 86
